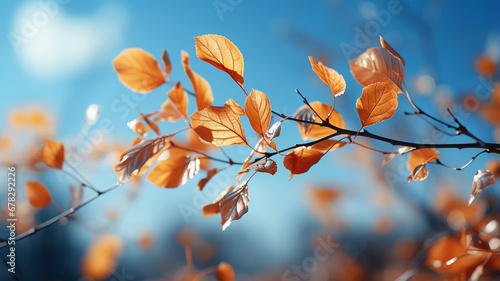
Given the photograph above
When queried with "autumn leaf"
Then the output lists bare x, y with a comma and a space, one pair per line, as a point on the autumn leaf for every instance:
421, 156
220, 52
258, 111
328, 145
236, 108
378, 65
168, 112
377, 103
138, 70
420, 173
264, 165
218, 125
101, 258
179, 98
329, 76
205, 180
166, 63
53, 154
311, 131
301, 159
201, 88
232, 203
482, 180
140, 156
224, 272
38, 195
174, 171
393, 52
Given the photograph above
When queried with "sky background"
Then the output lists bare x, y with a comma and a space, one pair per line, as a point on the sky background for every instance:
57, 55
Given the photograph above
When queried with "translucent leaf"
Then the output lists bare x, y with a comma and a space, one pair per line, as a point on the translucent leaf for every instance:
220, 52
377, 103
174, 171
202, 90
218, 125
311, 131
258, 111
205, 180
420, 173
301, 159
139, 155
329, 76
264, 165
180, 99
236, 108
482, 180
378, 65
421, 156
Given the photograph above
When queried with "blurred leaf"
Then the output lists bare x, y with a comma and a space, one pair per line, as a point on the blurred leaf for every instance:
201, 88
38, 195
53, 154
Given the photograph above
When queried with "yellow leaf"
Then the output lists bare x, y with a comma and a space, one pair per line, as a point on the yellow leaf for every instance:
235, 107
218, 51
174, 171
258, 111
201, 88
378, 65
53, 154
377, 103
180, 99
101, 258
329, 76
421, 156
138, 70
311, 131
37, 194
218, 125
301, 159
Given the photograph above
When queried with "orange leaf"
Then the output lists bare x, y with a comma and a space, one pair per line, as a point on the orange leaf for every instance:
393, 52
218, 125
311, 131
53, 154
101, 258
37, 194
201, 88
204, 181
235, 107
377, 103
138, 70
196, 143
174, 171
220, 52
301, 159
328, 144
166, 62
180, 99
258, 110
378, 65
140, 156
168, 112
329, 76
224, 272
421, 156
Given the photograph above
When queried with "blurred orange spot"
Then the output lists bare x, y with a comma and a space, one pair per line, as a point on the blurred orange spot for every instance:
146, 241
470, 103
101, 258
485, 66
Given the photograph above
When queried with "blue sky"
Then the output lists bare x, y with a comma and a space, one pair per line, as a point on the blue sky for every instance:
63, 63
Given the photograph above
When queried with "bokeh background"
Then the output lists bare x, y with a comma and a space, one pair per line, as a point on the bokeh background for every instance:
57, 59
